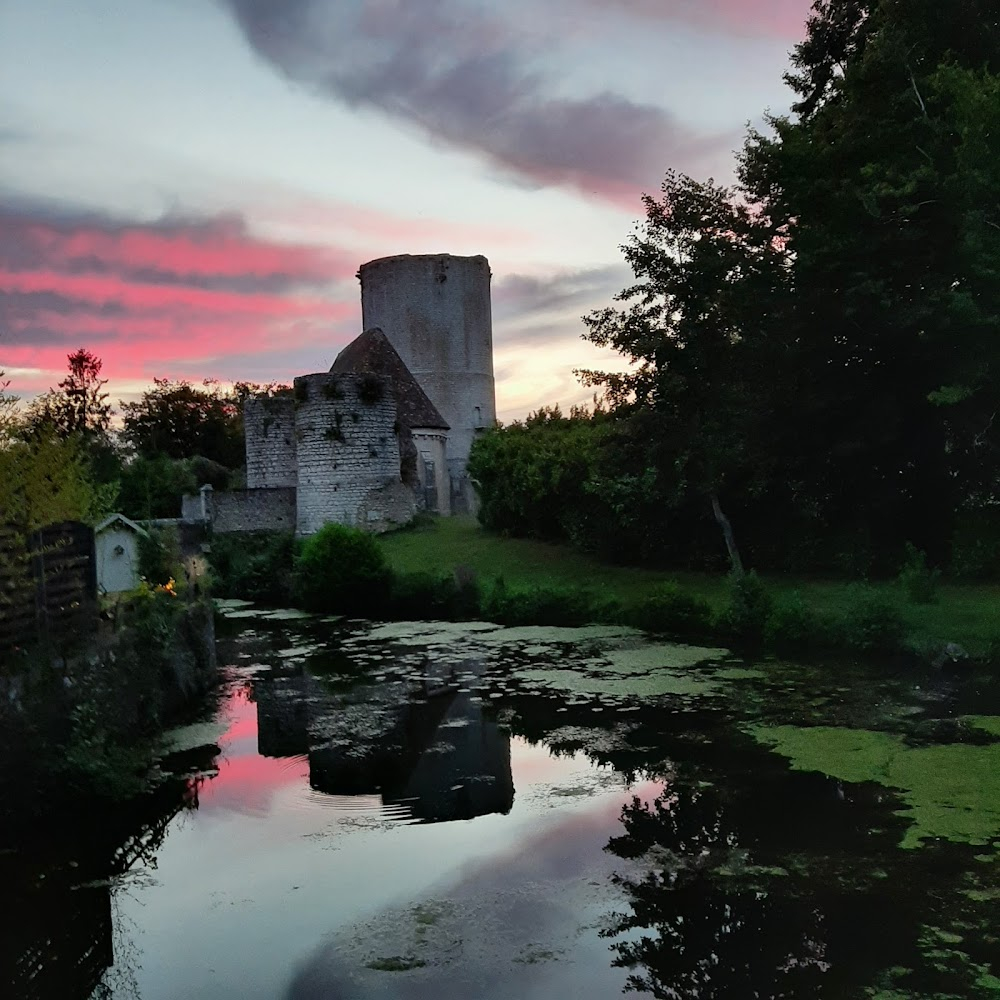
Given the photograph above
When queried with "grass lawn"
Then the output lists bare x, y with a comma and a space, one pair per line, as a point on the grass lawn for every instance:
968, 614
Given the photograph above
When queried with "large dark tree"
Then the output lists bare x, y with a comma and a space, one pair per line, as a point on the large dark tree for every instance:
886, 179
699, 326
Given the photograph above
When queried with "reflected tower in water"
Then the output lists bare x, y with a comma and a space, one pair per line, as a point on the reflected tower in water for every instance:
426, 744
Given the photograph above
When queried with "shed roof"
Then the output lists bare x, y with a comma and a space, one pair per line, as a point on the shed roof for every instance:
114, 520
372, 352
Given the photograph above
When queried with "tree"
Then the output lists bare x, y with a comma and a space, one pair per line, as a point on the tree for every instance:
699, 330
884, 180
8, 410
46, 479
79, 405
181, 420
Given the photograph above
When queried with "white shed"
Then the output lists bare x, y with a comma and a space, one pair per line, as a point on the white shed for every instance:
116, 540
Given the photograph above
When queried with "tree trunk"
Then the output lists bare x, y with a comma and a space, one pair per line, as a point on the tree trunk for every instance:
727, 533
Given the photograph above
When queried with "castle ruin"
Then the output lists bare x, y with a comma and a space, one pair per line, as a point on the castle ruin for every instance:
387, 431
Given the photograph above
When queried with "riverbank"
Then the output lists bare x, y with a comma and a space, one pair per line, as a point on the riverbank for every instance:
82, 724
964, 614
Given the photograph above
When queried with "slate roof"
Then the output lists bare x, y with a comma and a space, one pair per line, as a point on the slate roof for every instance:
125, 522
372, 353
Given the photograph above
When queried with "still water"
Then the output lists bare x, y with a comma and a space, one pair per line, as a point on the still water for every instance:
425, 810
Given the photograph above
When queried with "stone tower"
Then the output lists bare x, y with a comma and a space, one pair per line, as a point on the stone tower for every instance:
435, 311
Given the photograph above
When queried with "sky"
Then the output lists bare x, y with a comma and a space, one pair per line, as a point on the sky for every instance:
188, 187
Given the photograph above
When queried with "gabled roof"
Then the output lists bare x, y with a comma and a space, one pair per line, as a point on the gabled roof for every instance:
125, 522
372, 352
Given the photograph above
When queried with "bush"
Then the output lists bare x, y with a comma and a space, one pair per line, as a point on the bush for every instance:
795, 627
160, 555
745, 617
254, 566
423, 596
872, 623
671, 609
542, 606
342, 569
918, 580
975, 550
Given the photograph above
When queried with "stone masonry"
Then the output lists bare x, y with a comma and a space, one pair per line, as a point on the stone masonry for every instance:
346, 447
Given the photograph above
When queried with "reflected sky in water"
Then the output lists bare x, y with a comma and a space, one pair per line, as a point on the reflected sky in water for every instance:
438, 812
253, 888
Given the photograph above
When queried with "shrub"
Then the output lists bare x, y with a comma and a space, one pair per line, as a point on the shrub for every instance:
671, 609
160, 555
541, 606
422, 596
872, 622
794, 627
975, 551
342, 569
918, 580
745, 616
255, 566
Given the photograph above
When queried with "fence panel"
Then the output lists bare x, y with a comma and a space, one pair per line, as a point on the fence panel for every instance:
48, 587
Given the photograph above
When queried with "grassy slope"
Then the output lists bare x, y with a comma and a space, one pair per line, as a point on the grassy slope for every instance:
965, 613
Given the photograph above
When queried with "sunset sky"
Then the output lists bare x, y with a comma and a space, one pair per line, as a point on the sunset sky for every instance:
187, 187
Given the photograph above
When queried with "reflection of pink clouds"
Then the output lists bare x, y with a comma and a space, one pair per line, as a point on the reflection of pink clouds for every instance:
246, 782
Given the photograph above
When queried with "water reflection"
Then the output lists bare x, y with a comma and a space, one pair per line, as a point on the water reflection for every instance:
425, 744
63, 930
651, 845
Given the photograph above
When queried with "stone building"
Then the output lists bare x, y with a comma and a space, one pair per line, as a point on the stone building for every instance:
388, 430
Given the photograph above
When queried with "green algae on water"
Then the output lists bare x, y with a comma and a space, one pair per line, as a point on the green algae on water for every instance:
951, 792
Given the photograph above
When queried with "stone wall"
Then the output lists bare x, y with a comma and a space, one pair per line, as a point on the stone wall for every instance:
433, 469
269, 428
347, 449
435, 310
254, 510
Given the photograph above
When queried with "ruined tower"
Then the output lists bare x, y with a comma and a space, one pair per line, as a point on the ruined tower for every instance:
435, 311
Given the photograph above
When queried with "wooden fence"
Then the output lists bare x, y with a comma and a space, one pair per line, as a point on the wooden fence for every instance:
48, 585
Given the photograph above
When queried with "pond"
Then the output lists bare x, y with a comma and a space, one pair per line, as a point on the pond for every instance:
433, 810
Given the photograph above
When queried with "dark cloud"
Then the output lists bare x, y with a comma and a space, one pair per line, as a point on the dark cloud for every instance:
465, 77
783, 19
521, 294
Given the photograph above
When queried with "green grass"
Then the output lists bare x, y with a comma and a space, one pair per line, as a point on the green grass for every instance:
968, 614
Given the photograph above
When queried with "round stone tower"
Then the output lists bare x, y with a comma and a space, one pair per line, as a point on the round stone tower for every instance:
435, 310
269, 430
347, 449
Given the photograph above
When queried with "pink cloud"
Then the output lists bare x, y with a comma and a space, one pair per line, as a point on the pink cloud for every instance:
150, 298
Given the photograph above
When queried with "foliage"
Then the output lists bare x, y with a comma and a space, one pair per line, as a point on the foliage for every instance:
670, 608
254, 566
542, 605
746, 614
152, 486
46, 479
975, 546
872, 623
918, 580
341, 569
159, 556
421, 596
179, 420
78, 406
795, 627
823, 332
